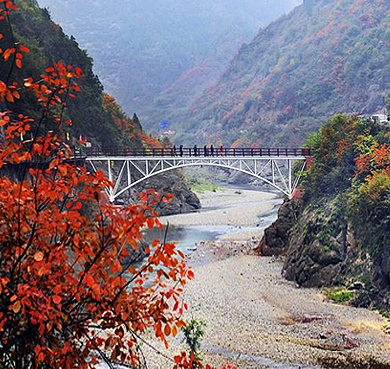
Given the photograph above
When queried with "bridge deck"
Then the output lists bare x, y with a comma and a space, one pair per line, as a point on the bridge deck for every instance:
170, 153
192, 158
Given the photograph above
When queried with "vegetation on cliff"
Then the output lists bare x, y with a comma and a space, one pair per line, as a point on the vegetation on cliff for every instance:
342, 229
337, 233
351, 161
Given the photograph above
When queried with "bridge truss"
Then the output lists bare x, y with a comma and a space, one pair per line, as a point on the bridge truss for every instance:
274, 170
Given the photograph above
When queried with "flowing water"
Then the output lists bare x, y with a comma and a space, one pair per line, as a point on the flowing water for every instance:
189, 236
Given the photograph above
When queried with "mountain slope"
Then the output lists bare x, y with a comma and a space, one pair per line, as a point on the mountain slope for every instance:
324, 57
95, 115
48, 44
155, 57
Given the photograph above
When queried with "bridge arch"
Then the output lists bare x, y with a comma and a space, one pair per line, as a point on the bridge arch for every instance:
274, 171
128, 187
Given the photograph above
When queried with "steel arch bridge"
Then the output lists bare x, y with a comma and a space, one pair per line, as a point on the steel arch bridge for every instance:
270, 165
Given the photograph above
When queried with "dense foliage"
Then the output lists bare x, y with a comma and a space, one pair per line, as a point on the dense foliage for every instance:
155, 57
335, 149
351, 170
325, 57
68, 295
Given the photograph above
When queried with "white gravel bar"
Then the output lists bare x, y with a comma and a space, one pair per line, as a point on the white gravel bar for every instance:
228, 207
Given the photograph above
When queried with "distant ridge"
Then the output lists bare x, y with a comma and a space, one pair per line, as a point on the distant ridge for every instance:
325, 57
155, 57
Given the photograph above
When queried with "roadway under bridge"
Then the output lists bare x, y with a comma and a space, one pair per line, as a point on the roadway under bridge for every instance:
273, 166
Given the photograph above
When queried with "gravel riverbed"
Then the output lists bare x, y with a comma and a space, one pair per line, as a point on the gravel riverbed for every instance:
240, 208
257, 319
252, 311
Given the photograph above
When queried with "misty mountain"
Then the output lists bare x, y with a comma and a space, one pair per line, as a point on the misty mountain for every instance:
325, 57
155, 57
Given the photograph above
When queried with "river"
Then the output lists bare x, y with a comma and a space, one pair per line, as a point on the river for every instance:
234, 214
255, 318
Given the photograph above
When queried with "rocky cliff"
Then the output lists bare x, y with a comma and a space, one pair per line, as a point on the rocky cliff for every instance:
276, 237
183, 201
338, 232
313, 241
319, 250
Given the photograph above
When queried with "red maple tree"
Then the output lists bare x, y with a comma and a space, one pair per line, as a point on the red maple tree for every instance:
68, 295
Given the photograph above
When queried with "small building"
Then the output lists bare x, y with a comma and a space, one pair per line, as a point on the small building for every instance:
381, 118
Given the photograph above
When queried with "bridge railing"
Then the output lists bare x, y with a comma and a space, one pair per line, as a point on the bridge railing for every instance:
197, 152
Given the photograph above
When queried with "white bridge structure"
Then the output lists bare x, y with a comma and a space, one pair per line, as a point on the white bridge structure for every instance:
126, 168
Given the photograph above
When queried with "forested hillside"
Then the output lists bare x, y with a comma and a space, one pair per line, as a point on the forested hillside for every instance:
155, 57
91, 115
326, 56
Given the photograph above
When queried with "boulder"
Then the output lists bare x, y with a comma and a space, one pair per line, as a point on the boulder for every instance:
183, 201
275, 238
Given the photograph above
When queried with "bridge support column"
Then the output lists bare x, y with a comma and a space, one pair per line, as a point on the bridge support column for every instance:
290, 177
110, 190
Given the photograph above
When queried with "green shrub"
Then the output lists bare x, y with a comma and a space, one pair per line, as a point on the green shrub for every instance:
340, 295
193, 332
201, 185
369, 211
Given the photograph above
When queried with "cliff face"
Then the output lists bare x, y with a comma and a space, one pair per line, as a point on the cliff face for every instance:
315, 255
338, 233
276, 237
313, 242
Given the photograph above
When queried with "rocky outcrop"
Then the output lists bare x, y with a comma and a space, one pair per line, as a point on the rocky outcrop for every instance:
276, 237
310, 265
315, 242
184, 200
320, 248
171, 182
316, 247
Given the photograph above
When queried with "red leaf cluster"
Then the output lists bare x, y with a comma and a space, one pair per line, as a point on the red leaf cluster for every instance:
68, 294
